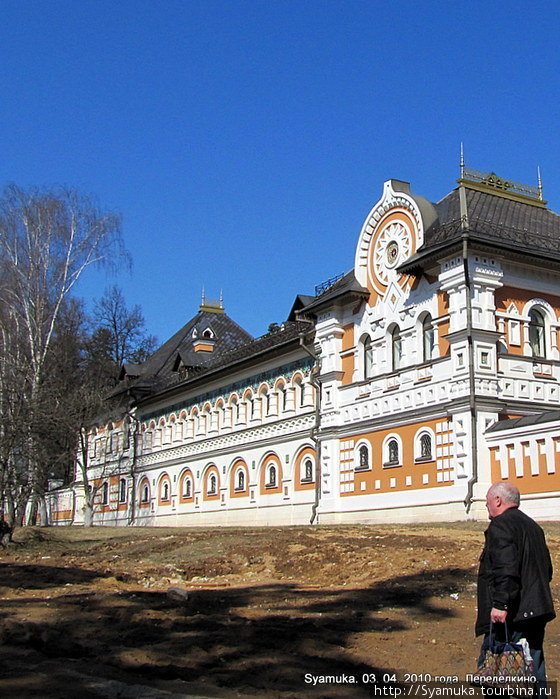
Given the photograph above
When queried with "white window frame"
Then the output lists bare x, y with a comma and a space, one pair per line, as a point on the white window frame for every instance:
145, 489
212, 477
395, 341
122, 490
423, 334
240, 471
187, 492
387, 463
418, 457
363, 443
536, 309
303, 470
268, 481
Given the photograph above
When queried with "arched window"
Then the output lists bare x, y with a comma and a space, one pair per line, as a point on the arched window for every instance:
426, 446
240, 480
368, 357
145, 493
105, 493
392, 452
165, 491
122, 490
187, 488
363, 454
308, 470
271, 477
537, 333
213, 485
423, 448
396, 348
428, 339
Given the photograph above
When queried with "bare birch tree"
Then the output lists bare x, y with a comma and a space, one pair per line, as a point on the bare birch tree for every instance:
47, 240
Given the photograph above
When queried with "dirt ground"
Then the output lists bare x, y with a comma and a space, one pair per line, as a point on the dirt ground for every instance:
102, 612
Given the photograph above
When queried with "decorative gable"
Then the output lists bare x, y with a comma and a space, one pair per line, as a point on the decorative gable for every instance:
392, 232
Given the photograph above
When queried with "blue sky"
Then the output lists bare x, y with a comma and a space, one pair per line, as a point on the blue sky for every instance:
245, 141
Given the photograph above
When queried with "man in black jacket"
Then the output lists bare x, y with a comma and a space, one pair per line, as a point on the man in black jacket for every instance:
514, 576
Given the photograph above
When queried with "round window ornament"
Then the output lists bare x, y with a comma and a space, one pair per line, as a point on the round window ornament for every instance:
392, 252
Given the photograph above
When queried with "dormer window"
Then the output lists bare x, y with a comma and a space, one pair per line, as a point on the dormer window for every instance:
205, 341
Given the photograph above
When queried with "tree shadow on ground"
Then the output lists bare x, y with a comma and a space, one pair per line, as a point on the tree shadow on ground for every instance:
39, 577
264, 639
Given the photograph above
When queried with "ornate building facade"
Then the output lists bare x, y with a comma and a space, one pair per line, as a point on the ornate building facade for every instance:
398, 392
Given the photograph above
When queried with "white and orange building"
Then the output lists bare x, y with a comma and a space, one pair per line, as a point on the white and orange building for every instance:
398, 392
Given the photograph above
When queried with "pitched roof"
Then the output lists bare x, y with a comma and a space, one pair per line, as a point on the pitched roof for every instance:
160, 366
301, 301
347, 285
288, 332
526, 421
278, 341
493, 222
483, 207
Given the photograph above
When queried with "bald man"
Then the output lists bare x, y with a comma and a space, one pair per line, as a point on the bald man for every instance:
514, 576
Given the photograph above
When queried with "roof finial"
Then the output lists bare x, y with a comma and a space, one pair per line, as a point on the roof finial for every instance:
203, 297
539, 179
463, 211
212, 305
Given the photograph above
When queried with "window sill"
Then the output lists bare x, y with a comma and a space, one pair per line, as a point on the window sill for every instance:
306, 481
392, 464
239, 490
361, 469
424, 460
270, 486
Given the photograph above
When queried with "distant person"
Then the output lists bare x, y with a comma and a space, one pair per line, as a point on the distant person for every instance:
514, 577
